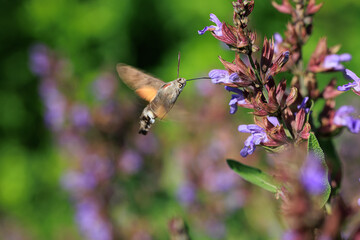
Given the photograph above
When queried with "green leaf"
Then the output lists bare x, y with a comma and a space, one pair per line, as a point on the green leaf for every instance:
254, 175
333, 162
314, 147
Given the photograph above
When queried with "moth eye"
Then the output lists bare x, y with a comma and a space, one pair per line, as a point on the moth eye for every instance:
181, 85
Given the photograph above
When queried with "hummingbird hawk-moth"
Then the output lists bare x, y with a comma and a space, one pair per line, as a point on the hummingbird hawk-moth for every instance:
160, 95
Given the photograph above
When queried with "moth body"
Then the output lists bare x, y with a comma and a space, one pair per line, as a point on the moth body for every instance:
161, 104
160, 95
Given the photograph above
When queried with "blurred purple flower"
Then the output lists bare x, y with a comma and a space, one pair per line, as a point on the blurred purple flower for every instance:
216, 29
303, 105
40, 60
80, 116
278, 40
219, 180
130, 162
78, 182
90, 221
104, 87
55, 105
258, 136
343, 117
222, 76
100, 167
333, 61
274, 120
148, 145
186, 193
290, 235
355, 84
313, 175
235, 98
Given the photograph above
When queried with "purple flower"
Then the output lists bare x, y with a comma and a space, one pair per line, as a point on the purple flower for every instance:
274, 120
90, 221
333, 61
258, 135
40, 60
104, 87
80, 116
313, 175
303, 105
186, 193
148, 145
355, 84
216, 29
219, 180
55, 105
130, 161
78, 182
235, 98
278, 40
343, 117
290, 235
222, 76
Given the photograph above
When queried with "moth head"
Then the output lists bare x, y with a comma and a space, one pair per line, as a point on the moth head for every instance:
181, 82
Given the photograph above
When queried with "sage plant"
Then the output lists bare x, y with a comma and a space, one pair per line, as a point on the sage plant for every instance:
305, 178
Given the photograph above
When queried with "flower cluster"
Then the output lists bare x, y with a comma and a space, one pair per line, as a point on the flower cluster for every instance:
253, 81
87, 136
284, 118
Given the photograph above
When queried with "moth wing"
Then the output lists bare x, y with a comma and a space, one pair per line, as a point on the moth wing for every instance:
161, 106
145, 86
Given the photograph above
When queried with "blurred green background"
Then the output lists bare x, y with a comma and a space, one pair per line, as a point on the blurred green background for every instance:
95, 35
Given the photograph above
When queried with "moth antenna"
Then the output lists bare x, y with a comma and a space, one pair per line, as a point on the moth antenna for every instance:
178, 68
199, 78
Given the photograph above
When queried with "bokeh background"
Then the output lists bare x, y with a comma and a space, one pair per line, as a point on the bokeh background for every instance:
71, 163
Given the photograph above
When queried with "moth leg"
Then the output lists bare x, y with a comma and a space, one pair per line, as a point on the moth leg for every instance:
147, 118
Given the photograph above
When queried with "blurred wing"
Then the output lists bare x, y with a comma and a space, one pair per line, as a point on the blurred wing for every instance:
144, 85
161, 105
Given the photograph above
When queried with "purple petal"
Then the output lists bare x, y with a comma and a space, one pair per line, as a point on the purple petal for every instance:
345, 110
235, 90
215, 19
201, 32
350, 75
244, 152
345, 57
274, 121
218, 30
344, 118
347, 87
257, 137
333, 61
219, 76
217, 73
313, 175
233, 104
243, 128
234, 77
278, 38
255, 128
